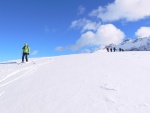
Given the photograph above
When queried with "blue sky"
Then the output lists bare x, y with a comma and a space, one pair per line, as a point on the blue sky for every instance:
54, 27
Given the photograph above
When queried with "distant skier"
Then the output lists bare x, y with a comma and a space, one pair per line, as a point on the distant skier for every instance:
114, 49
107, 49
26, 51
111, 49
120, 49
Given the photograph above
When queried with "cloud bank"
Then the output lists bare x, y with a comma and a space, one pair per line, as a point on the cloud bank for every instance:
104, 35
143, 32
130, 10
85, 24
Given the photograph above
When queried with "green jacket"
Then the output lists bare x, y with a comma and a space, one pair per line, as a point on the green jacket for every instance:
26, 49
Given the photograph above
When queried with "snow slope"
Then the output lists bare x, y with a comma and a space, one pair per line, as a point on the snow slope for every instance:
98, 82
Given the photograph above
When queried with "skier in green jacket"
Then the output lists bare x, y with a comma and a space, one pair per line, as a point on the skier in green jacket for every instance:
26, 51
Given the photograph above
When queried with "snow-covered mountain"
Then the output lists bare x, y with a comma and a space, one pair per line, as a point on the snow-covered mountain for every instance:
100, 82
139, 44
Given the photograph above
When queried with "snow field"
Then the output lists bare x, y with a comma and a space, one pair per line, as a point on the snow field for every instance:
98, 82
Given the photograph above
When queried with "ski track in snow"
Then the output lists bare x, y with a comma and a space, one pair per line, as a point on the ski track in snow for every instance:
1, 94
24, 71
29, 70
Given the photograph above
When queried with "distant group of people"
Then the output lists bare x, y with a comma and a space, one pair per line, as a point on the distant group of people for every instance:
113, 49
120, 49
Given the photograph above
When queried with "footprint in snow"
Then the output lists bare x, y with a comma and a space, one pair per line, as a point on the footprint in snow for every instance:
108, 88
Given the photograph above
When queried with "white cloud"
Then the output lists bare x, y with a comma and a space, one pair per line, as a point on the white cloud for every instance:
60, 48
105, 34
85, 24
143, 32
81, 10
130, 10
86, 39
108, 33
86, 50
34, 52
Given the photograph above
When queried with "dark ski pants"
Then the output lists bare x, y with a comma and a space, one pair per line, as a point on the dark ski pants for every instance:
26, 56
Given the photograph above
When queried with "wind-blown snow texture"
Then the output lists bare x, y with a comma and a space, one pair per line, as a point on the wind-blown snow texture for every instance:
99, 82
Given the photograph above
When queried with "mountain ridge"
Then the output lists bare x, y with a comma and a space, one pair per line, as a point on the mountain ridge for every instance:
139, 44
